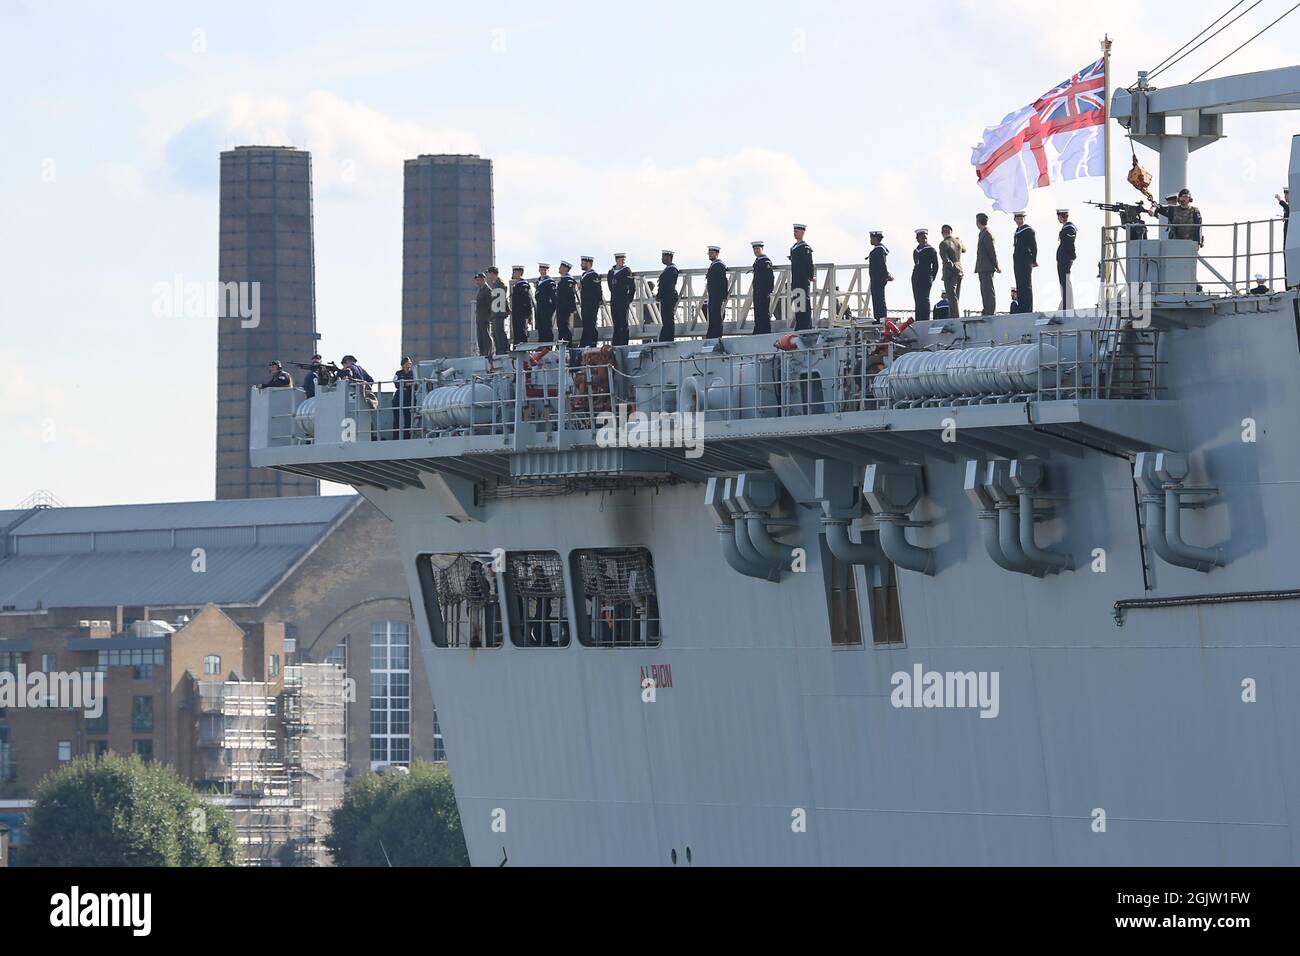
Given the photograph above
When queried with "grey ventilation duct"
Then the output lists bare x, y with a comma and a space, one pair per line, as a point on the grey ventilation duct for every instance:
1160, 477
834, 484
987, 512
892, 492
730, 531
756, 497
1006, 503
1027, 476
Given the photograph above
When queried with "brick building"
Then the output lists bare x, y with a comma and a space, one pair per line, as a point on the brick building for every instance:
159, 597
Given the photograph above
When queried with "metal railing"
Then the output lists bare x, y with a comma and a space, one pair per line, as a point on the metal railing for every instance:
1224, 263
840, 295
1098, 363
540, 396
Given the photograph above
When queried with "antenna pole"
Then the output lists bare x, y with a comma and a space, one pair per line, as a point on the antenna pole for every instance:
1107, 247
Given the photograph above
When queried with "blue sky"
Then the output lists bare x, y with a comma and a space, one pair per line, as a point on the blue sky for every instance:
640, 126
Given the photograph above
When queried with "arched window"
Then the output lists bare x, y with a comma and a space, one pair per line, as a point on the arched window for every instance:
212, 664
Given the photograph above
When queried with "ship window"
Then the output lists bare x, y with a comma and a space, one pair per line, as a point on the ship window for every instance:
617, 602
460, 598
886, 614
842, 601
539, 615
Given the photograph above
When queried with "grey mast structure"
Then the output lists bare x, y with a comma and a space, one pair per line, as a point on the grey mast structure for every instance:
1016, 589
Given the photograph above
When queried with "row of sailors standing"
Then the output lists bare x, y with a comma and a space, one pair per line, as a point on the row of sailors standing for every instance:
551, 302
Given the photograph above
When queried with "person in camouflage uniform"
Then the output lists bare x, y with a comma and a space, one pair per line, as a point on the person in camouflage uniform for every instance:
1184, 219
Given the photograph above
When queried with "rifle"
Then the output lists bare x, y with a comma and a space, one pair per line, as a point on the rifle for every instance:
1130, 215
326, 372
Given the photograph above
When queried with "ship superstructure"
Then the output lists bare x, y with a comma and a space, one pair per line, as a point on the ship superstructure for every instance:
1005, 589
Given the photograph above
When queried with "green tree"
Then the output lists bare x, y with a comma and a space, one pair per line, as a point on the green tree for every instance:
399, 819
121, 811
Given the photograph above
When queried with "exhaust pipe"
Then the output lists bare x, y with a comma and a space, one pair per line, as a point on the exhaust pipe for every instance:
986, 511
893, 491
736, 548
1160, 476
1027, 476
770, 549
999, 488
842, 546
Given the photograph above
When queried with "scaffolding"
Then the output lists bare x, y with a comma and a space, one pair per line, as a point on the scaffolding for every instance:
315, 751
278, 763
237, 738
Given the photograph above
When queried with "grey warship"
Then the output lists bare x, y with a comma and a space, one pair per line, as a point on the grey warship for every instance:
1016, 589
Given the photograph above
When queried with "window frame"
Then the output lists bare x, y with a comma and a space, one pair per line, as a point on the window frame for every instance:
513, 600
438, 629
578, 596
137, 724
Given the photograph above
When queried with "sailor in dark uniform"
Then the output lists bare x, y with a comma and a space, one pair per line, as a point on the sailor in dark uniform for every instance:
1024, 259
566, 301
878, 272
1065, 256
715, 284
545, 295
590, 297
925, 266
667, 296
764, 282
521, 305
622, 288
312, 378
279, 377
801, 279
404, 398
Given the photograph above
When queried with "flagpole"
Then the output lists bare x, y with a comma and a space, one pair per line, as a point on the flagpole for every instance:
1106, 245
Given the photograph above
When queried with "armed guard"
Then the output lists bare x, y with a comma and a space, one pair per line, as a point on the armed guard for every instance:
878, 272
925, 266
590, 297
666, 294
715, 285
546, 289
1184, 219
764, 282
1065, 256
521, 305
1024, 259
801, 279
566, 301
622, 288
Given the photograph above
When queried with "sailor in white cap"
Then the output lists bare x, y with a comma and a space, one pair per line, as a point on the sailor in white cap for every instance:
545, 297
925, 266
521, 306
591, 298
566, 301
878, 272
667, 296
1024, 260
763, 283
1065, 256
622, 288
802, 274
715, 285
1261, 286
